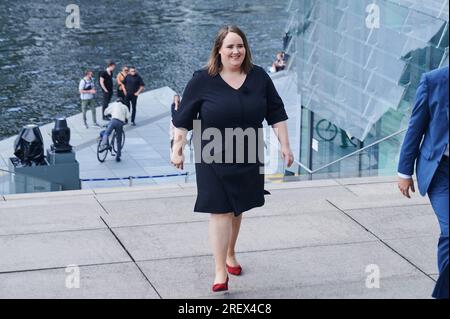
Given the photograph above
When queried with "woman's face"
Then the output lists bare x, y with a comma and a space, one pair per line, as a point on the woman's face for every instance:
232, 52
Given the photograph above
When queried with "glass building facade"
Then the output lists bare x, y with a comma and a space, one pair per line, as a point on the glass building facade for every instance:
358, 64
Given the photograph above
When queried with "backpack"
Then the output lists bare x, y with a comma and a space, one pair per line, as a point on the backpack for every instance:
86, 88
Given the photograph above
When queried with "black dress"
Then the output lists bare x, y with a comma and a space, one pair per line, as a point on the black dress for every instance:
225, 186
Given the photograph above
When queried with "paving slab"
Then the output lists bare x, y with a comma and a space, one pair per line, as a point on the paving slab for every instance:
273, 232
376, 201
59, 249
374, 189
395, 287
366, 180
165, 193
421, 251
111, 281
38, 218
398, 222
303, 269
151, 211
48, 195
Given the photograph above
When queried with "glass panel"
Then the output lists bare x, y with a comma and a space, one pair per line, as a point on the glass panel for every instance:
362, 80
13, 183
379, 160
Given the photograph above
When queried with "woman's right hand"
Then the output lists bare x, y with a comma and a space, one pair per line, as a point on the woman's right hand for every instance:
177, 160
177, 156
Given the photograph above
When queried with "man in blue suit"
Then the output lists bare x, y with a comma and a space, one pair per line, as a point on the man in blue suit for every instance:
429, 121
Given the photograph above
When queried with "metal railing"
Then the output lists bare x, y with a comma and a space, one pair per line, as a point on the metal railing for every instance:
350, 154
368, 150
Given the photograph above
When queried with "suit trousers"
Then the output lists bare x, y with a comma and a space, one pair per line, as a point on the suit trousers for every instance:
438, 194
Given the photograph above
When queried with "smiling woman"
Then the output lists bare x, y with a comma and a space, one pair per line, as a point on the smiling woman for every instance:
230, 50
229, 93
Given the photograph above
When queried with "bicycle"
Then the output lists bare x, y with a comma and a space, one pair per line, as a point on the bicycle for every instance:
111, 147
327, 131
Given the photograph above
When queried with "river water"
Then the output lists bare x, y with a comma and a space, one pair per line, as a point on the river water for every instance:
42, 61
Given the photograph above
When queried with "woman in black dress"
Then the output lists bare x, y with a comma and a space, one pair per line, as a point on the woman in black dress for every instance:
230, 93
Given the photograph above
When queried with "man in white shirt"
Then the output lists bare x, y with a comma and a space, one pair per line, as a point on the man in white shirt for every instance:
87, 93
119, 116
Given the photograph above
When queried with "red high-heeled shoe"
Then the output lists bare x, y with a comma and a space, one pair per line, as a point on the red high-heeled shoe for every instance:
234, 270
220, 287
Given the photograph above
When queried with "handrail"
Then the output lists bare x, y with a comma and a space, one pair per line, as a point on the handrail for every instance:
6, 171
350, 154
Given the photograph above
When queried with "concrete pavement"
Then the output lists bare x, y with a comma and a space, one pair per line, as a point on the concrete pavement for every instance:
314, 239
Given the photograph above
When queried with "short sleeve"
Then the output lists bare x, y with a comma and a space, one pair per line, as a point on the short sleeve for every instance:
275, 106
190, 104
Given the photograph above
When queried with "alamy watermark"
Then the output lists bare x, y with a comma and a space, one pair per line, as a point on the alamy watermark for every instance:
373, 277
73, 277
373, 16
73, 20
236, 146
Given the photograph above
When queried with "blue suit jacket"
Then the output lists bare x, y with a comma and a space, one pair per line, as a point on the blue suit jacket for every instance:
429, 120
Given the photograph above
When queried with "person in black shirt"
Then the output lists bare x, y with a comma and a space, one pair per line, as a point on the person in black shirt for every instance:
106, 83
134, 85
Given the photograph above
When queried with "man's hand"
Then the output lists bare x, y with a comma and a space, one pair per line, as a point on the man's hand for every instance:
404, 184
136, 94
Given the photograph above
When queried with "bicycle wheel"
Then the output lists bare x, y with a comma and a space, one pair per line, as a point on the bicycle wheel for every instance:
326, 130
114, 141
101, 154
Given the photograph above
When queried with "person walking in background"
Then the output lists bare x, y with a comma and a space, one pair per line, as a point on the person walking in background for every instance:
106, 83
87, 94
279, 63
426, 145
134, 85
119, 115
120, 85
230, 93
174, 108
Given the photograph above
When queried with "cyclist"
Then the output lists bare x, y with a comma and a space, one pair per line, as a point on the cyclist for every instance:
119, 116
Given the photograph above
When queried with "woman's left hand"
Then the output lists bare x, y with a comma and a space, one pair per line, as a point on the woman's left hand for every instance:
287, 155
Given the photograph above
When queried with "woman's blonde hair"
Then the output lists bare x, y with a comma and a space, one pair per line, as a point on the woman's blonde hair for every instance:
214, 65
